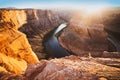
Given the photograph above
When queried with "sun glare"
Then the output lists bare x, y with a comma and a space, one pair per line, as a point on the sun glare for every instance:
94, 9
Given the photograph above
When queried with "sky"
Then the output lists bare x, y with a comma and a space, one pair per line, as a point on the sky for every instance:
58, 3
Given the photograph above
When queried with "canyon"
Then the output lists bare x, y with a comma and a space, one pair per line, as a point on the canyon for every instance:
22, 50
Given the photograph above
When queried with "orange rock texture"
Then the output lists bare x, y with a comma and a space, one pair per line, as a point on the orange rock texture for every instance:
15, 51
16, 17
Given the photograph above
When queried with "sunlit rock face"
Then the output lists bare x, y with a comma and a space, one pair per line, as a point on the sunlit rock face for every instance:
16, 17
15, 51
74, 68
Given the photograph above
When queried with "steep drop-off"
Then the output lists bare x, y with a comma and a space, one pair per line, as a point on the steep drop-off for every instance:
15, 50
39, 23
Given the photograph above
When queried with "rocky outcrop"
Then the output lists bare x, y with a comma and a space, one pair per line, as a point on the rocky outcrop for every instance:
16, 17
15, 51
74, 68
14, 45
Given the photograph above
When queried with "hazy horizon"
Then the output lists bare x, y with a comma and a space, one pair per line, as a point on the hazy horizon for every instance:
61, 4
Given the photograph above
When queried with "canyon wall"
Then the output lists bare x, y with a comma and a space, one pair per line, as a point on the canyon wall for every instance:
39, 23
15, 51
15, 17
18, 28
82, 40
81, 35
89, 35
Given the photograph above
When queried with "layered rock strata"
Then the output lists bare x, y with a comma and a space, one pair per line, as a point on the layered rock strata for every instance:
15, 51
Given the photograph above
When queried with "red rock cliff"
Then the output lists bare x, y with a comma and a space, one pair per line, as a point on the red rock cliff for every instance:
15, 50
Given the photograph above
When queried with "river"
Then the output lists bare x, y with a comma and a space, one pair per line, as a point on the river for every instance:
52, 44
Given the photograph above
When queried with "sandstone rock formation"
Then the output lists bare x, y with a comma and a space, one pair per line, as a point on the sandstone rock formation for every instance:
16, 17
74, 68
14, 45
78, 38
11, 76
37, 23
82, 39
15, 51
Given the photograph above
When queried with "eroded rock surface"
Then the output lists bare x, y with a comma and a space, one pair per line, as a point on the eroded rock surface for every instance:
74, 68
82, 39
16, 17
15, 52
11, 76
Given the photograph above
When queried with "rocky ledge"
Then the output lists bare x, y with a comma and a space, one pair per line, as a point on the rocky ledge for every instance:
75, 68
71, 68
